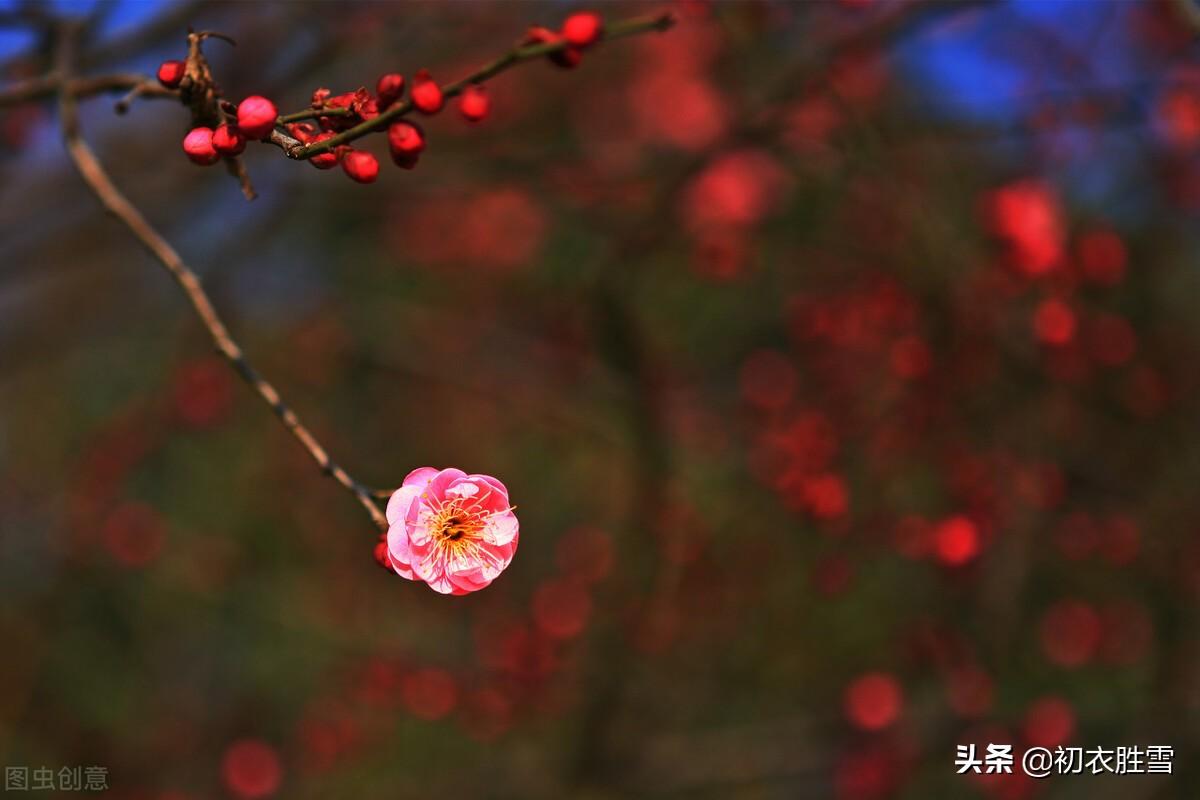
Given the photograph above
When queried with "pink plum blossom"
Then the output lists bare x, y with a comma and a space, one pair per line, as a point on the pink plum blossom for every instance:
454, 531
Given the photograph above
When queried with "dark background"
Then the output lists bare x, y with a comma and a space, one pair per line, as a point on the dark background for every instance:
840, 359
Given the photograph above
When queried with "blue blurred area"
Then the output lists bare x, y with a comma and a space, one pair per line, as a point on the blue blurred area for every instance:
115, 17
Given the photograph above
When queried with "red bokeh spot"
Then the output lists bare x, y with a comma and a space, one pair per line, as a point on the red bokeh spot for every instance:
1178, 115
134, 534
561, 608
1049, 722
737, 189
1026, 214
1054, 322
873, 701
1070, 633
826, 496
202, 392
956, 541
251, 768
429, 693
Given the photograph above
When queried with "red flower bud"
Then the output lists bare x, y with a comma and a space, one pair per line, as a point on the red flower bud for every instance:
405, 138
228, 140
426, 94
326, 160
361, 166
567, 58
474, 103
304, 132
583, 29
170, 73
198, 145
256, 117
389, 88
381, 554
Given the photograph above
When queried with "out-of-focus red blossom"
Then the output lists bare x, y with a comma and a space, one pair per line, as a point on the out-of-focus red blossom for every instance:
858, 78
811, 123
134, 534
585, 554
499, 229
825, 495
1102, 257
1070, 633
202, 392
1049, 722
429, 693
326, 735
673, 102
864, 318
737, 189
1177, 117
516, 649
561, 608
1054, 322
970, 691
1111, 340
871, 773
487, 713
378, 680
251, 769
873, 701
956, 541
1026, 214
768, 380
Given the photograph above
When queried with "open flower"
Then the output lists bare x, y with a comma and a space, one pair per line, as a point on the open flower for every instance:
454, 531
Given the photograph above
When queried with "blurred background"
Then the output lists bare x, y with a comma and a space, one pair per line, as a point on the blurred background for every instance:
840, 358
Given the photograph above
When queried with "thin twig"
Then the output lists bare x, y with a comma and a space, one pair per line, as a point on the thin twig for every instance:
619, 30
118, 205
48, 85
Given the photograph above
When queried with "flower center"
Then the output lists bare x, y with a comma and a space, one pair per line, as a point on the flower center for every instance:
456, 524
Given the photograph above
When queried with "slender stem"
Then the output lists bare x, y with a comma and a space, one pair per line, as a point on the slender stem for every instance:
313, 113
618, 30
118, 205
44, 86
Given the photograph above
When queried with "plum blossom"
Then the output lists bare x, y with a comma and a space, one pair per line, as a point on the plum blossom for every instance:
454, 531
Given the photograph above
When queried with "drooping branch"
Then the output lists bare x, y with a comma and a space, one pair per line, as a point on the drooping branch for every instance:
97, 179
